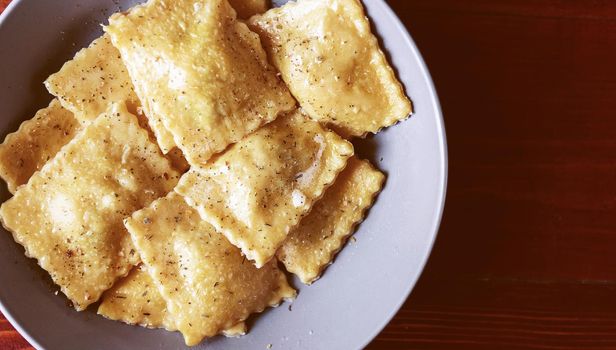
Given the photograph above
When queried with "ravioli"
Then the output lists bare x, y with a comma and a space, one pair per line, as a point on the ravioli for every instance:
69, 214
38, 140
204, 279
95, 77
333, 65
260, 188
200, 71
135, 300
247, 8
311, 246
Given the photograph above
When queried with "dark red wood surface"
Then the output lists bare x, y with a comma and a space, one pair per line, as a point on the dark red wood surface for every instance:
526, 255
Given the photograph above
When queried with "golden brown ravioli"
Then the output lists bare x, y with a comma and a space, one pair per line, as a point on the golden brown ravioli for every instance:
311, 246
69, 215
136, 300
333, 65
205, 280
200, 71
36, 142
260, 188
95, 77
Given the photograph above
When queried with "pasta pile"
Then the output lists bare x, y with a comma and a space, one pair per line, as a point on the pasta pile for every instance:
188, 153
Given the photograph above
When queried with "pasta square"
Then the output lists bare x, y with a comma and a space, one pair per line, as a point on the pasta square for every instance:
38, 140
135, 300
69, 215
333, 65
204, 279
200, 71
260, 188
95, 77
311, 246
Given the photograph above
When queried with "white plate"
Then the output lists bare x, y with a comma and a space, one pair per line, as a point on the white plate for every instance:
358, 294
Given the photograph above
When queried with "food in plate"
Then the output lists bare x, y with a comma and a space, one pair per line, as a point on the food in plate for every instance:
174, 175
69, 215
136, 300
207, 283
260, 188
199, 70
311, 246
333, 65
35, 142
95, 76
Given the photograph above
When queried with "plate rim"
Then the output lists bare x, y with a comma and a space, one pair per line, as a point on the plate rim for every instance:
442, 187
444, 155
4, 308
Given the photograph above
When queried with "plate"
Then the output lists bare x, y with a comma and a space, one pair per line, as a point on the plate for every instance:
358, 294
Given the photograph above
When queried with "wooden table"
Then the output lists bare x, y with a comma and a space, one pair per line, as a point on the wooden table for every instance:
526, 255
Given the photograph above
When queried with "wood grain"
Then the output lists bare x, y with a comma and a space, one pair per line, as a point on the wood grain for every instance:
525, 255
525, 258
